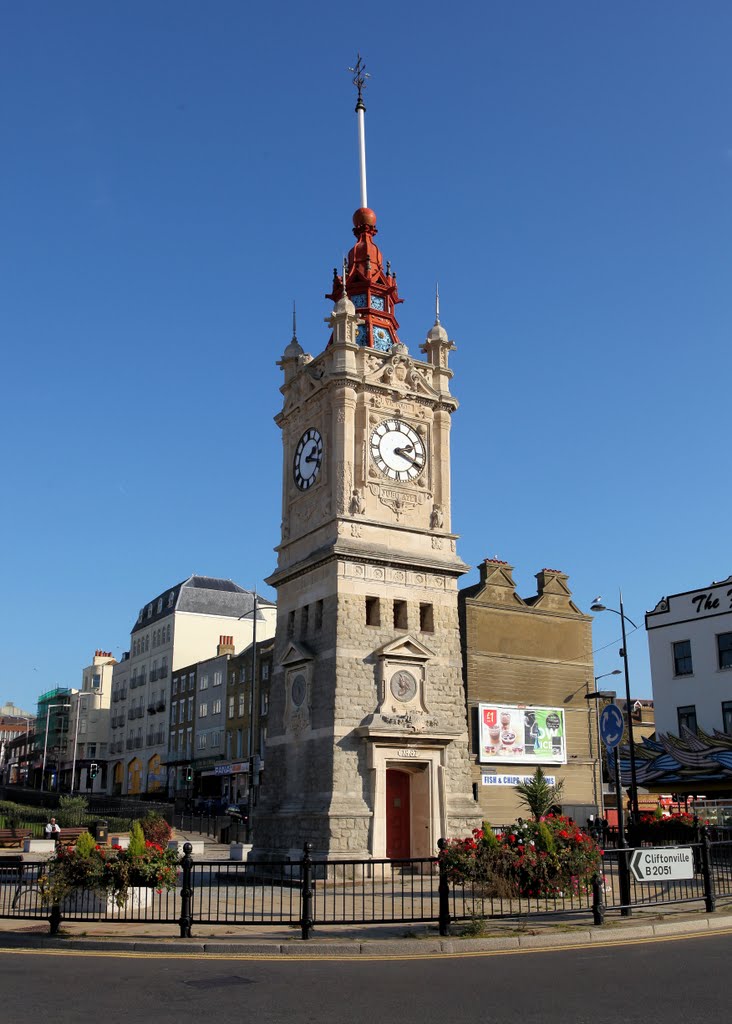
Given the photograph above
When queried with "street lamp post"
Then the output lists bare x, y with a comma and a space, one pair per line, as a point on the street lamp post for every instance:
80, 697
623, 858
45, 743
615, 672
598, 606
253, 703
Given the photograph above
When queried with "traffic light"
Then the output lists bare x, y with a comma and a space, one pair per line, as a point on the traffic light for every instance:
93, 770
189, 774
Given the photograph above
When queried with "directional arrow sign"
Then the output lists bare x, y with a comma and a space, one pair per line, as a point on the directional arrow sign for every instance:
662, 863
611, 725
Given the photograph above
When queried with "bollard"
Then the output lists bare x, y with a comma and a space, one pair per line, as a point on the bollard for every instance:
443, 892
186, 892
55, 919
306, 875
598, 900
710, 895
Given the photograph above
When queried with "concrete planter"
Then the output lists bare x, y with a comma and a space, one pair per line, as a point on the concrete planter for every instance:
39, 846
138, 898
177, 844
240, 851
122, 841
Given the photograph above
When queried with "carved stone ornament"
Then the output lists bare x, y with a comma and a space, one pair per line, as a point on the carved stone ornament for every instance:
298, 689
397, 499
402, 374
357, 506
403, 686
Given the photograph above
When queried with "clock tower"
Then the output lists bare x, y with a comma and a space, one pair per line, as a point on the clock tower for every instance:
367, 745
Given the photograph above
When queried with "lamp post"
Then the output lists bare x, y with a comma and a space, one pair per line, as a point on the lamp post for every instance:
598, 606
253, 704
623, 861
615, 672
79, 698
45, 743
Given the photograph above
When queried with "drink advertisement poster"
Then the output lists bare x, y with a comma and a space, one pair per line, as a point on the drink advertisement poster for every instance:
525, 735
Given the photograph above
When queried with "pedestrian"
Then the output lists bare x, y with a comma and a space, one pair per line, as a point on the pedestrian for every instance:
52, 830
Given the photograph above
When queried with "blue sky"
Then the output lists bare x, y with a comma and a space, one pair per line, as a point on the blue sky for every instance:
174, 174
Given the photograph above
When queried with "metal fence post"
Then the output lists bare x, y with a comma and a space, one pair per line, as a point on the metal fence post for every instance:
624, 878
598, 899
306, 875
710, 895
443, 891
186, 892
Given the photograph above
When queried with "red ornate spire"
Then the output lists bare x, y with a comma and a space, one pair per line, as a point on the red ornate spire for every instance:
371, 288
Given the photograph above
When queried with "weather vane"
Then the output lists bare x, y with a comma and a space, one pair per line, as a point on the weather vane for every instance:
359, 79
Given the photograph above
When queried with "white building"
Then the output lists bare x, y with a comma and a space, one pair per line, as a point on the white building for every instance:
89, 725
179, 627
690, 646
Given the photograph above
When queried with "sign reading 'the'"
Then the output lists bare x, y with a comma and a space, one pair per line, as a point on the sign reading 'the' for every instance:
662, 863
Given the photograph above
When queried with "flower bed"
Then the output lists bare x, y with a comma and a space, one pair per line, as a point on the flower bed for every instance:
88, 866
545, 858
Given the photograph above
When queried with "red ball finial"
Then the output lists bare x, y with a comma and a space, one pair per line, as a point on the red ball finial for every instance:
364, 218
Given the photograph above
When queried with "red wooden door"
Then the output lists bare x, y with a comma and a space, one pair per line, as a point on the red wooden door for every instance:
397, 814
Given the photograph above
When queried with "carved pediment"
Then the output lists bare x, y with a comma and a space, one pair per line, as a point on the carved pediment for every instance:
296, 654
406, 647
304, 385
401, 373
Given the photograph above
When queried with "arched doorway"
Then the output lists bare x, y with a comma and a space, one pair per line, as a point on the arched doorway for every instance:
134, 777
398, 814
154, 777
118, 778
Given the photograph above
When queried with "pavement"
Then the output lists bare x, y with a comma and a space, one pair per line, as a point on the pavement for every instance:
397, 940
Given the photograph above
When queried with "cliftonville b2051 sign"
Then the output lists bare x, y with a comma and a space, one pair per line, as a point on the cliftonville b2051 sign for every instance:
521, 735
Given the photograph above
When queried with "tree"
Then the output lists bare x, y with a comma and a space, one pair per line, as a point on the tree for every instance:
538, 795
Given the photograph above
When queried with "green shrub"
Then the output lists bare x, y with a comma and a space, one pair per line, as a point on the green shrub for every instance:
137, 840
156, 829
71, 811
85, 844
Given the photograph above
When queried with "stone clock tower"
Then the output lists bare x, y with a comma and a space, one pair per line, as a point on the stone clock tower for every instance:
367, 746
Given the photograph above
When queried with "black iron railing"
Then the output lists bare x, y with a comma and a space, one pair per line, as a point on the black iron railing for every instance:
310, 891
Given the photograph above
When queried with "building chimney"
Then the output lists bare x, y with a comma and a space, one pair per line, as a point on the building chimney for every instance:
226, 645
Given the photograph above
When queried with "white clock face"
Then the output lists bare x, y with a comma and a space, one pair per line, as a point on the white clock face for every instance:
308, 459
397, 450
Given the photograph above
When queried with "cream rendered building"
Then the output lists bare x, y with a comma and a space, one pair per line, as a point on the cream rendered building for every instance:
89, 724
179, 627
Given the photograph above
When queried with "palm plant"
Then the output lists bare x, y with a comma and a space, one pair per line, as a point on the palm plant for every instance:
538, 795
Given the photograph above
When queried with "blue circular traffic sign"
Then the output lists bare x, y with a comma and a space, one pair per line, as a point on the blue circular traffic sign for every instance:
611, 726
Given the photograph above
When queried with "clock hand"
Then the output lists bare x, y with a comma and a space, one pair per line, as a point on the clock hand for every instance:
404, 453
312, 457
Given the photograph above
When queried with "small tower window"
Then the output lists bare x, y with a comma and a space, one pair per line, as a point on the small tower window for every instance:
304, 619
426, 618
318, 615
373, 614
400, 615
291, 624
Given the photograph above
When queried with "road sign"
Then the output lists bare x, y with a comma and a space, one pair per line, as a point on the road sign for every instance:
662, 863
611, 726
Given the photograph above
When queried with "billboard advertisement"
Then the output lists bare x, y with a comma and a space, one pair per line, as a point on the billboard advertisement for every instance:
521, 735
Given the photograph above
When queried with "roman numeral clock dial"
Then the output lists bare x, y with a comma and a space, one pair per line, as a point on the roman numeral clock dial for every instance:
308, 459
397, 450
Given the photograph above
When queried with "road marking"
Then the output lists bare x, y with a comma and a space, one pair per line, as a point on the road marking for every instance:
360, 957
